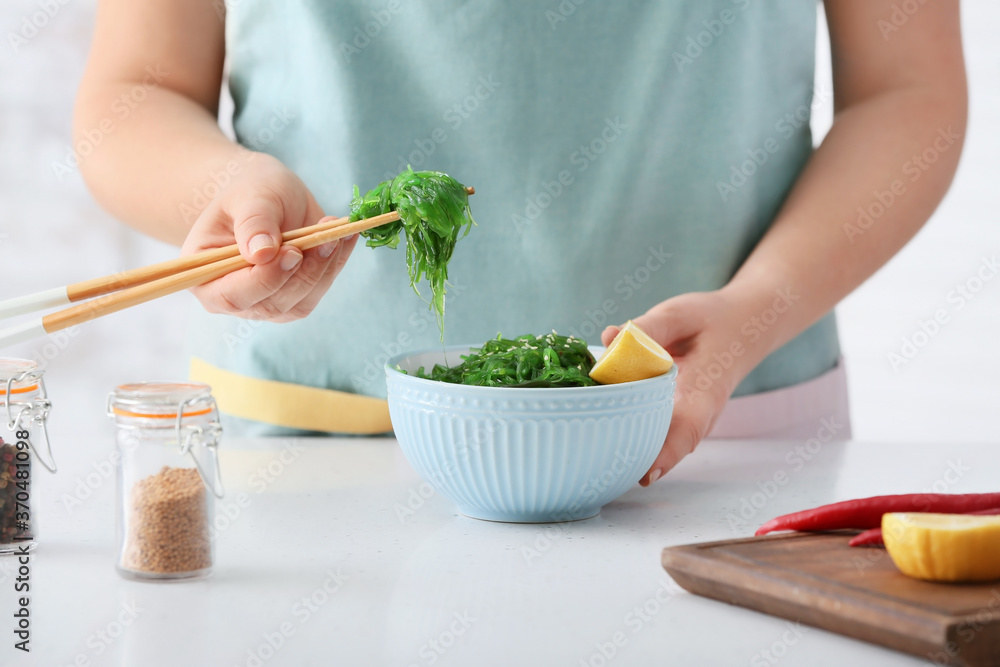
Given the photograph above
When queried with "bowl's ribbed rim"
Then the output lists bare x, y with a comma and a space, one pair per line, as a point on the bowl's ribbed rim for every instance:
390, 368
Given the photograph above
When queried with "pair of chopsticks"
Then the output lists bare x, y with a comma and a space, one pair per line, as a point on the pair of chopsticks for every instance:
116, 292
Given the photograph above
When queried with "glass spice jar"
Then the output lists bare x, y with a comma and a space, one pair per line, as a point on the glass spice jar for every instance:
26, 406
168, 477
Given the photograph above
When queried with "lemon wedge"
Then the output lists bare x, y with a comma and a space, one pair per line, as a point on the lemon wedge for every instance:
632, 356
944, 547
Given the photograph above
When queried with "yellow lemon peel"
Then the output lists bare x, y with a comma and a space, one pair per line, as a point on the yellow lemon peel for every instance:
944, 547
631, 356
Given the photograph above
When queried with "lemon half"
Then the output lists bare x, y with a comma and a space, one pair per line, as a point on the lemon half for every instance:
632, 356
944, 547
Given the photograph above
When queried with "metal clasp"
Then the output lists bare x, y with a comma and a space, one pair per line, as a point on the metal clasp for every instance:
207, 436
36, 411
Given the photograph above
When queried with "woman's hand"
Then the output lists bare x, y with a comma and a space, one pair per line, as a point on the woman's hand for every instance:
263, 200
699, 330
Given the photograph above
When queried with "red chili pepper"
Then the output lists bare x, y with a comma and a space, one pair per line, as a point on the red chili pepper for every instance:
873, 536
867, 512
869, 538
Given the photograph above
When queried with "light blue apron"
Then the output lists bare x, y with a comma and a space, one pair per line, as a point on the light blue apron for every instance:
622, 153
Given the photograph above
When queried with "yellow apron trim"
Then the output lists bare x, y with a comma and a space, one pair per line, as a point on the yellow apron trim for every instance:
292, 405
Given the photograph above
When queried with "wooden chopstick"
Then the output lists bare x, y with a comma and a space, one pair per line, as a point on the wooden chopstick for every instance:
88, 289
155, 282
133, 296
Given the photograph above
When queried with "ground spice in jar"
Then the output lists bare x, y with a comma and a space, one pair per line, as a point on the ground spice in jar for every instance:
13, 527
168, 524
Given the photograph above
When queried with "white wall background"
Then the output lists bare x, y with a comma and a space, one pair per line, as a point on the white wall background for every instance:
52, 233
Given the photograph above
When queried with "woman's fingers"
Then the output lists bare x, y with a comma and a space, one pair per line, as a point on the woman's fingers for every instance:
303, 292
257, 222
675, 319
336, 264
684, 326
284, 282
242, 290
609, 334
306, 278
668, 322
249, 219
692, 419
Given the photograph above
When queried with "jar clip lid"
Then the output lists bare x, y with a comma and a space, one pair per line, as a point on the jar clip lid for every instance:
208, 436
36, 411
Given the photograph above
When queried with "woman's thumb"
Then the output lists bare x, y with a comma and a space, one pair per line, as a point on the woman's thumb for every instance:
257, 228
609, 334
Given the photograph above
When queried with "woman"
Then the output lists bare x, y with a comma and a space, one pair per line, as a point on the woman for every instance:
643, 160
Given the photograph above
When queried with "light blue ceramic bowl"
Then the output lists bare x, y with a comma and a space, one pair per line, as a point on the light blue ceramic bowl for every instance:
527, 455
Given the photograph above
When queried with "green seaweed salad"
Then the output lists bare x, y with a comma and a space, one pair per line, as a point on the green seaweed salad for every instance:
434, 214
526, 361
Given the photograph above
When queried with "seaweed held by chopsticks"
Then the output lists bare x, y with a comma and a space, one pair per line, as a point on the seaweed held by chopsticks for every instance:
433, 212
550, 360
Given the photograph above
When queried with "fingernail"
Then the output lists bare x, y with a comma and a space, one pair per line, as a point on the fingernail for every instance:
327, 249
290, 260
259, 242
655, 475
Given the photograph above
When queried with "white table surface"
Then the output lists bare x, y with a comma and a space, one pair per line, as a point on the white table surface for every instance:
431, 586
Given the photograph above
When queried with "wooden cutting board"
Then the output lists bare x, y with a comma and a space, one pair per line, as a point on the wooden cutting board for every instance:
816, 579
